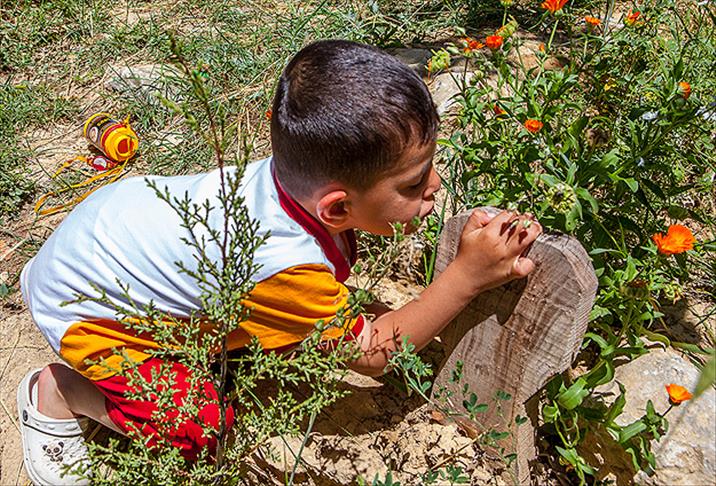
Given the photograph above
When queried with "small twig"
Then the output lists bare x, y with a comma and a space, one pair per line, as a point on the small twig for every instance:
12, 354
10, 416
13, 248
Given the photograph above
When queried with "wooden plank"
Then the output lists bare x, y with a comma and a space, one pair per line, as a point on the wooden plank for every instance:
516, 337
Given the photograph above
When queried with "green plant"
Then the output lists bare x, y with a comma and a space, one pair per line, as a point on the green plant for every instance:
606, 142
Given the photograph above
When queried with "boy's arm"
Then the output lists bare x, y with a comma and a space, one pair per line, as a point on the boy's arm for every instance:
489, 256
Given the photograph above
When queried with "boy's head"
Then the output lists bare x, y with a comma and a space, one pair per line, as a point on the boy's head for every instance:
346, 112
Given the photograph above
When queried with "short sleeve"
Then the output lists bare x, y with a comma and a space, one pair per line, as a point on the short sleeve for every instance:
287, 306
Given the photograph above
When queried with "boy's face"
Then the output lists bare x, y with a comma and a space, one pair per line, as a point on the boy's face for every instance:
406, 192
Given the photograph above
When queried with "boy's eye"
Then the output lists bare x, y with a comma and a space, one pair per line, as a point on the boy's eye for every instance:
418, 184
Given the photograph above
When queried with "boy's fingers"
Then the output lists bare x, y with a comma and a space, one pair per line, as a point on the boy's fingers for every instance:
518, 226
529, 232
503, 221
522, 267
477, 220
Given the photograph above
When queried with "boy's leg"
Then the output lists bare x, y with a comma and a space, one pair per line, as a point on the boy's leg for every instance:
187, 434
64, 393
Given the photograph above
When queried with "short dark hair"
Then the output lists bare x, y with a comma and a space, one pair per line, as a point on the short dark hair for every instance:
345, 111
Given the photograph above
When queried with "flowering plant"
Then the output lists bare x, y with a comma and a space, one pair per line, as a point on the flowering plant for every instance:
614, 149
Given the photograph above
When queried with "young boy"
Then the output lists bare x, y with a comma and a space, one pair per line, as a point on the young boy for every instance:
353, 136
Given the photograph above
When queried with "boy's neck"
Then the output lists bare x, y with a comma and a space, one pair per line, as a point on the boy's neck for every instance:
310, 205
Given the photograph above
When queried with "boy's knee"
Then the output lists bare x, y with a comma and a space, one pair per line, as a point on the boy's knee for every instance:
54, 376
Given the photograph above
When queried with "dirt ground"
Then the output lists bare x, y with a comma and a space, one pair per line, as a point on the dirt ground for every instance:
375, 429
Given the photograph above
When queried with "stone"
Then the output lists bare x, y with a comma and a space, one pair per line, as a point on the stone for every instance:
686, 455
445, 87
528, 54
415, 58
142, 80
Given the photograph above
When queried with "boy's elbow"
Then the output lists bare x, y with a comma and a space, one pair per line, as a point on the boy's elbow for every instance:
369, 369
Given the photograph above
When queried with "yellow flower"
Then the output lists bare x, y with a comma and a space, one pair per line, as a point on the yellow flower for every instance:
493, 41
592, 21
677, 394
685, 89
678, 239
553, 6
533, 126
632, 18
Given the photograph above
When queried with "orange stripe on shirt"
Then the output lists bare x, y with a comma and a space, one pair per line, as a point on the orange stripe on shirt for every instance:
284, 310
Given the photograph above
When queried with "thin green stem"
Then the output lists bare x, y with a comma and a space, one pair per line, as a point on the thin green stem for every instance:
551, 37
311, 420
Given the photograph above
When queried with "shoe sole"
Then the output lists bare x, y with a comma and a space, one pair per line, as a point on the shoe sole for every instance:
23, 401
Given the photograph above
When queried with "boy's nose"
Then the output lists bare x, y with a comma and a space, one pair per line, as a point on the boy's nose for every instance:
433, 184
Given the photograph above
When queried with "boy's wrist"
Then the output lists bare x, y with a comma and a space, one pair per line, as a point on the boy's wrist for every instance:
465, 285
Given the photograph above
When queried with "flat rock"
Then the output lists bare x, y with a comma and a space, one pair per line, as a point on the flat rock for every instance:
413, 57
444, 88
528, 55
141, 80
686, 455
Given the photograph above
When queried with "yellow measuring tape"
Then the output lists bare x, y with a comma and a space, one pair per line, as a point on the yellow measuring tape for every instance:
111, 175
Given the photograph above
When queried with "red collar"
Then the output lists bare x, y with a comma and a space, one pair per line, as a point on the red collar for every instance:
316, 229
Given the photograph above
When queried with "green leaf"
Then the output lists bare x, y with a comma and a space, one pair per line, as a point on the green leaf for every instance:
707, 376
569, 454
584, 194
601, 342
617, 407
630, 431
632, 183
550, 413
497, 436
603, 373
573, 396
610, 159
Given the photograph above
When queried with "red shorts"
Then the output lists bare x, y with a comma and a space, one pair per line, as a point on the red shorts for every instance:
130, 415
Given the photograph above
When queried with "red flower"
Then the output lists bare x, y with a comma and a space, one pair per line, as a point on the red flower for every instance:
553, 6
493, 41
268, 114
685, 89
632, 18
470, 44
498, 111
678, 239
592, 21
533, 126
677, 394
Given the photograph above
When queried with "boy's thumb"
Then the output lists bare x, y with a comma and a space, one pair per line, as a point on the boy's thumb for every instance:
522, 267
477, 220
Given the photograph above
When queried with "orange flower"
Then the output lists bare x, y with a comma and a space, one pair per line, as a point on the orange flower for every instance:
553, 6
533, 126
632, 18
592, 21
498, 111
268, 114
470, 44
541, 47
677, 394
493, 41
678, 239
685, 89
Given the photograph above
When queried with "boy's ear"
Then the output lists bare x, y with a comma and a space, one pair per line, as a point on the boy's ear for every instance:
331, 209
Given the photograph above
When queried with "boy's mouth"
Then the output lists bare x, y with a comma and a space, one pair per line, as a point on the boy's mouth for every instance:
428, 212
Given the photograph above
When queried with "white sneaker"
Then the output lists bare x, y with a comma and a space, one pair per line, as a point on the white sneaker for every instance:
54, 450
